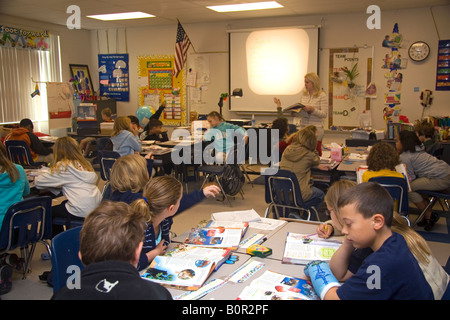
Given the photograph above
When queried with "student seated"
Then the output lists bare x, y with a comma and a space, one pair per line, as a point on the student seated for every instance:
426, 133
110, 244
343, 267
125, 140
154, 131
13, 183
75, 177
381, 162
391, 272
25, 133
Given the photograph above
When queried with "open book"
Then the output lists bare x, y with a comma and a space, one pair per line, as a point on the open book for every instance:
301, 249
179, 272
219, 237
276, 286
216, 255
296, 107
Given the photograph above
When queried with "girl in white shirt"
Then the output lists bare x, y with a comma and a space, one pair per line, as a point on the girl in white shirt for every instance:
74, 176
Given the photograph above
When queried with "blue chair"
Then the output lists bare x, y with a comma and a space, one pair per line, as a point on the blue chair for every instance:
65, 247
282, 192
25, 224
434, 196
19, 152
398, 189
106, 160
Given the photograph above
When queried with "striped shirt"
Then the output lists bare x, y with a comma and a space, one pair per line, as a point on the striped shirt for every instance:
320, 105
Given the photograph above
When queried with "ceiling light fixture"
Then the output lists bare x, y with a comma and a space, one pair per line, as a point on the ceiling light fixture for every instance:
246, 6
121, 16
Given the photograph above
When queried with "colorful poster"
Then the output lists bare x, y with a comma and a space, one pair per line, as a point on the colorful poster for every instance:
157, 84
350, 74
20, 38
443, 66
114, 76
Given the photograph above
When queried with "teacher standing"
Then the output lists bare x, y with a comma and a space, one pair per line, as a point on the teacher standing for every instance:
316, 106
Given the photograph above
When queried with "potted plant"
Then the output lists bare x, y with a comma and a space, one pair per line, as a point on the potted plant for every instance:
351, 75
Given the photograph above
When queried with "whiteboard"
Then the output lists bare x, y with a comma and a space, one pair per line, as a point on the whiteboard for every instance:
242, 56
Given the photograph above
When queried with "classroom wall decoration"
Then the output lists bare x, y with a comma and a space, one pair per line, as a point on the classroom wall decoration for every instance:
114, 76
350, 73
443, 66
60, 104
394, 63
156, 83
23, 39
82, 79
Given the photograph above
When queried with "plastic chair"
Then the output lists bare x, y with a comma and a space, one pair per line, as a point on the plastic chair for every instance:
65, 247
282, 191
398, 189
434, 197
106, 160
19, 152
25, 224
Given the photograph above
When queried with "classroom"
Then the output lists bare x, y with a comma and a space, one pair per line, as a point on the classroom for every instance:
358, 73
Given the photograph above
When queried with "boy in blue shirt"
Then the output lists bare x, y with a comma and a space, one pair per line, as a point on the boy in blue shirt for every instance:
390, 272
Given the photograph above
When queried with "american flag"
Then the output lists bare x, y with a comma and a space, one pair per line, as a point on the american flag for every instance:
181, 47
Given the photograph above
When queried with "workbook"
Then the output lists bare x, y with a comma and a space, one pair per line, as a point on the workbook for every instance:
275, 286
216, 255
296, 107
302, 249
179, 272
218, 237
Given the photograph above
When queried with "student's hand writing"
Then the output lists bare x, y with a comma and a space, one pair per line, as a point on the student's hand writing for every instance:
211, 191
323, 167
324, 230
149, 155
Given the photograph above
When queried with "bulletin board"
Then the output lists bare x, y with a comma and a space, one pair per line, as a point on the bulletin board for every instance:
348, 101
156, 83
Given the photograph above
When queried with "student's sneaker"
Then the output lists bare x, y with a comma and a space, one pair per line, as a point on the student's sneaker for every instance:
5, 279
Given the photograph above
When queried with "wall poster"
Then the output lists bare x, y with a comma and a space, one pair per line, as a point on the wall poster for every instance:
156, 83
350, 72
114, 76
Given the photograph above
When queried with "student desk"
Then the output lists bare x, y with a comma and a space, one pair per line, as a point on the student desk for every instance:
351, 165
276, 241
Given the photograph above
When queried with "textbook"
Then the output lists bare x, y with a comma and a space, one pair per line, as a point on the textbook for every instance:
296, 107
275, 286
302, 249
179, 272
218, 237
216, 255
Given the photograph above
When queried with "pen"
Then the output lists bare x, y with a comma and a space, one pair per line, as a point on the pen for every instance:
326, 229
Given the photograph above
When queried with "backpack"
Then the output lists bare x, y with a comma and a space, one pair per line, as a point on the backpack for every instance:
232, 179
6, 272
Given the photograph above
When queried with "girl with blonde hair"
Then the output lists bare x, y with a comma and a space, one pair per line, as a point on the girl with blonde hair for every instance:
160, 201
316, 106
125, 140
74, 176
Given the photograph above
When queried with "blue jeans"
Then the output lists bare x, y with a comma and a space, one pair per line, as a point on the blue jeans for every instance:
316, 198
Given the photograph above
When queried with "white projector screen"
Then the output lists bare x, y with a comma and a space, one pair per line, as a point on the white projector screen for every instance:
271, 62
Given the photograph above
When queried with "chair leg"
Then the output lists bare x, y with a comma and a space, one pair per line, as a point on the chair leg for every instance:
429, 205
223, 192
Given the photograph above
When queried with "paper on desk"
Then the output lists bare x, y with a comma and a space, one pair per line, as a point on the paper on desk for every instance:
266, 224
243, 216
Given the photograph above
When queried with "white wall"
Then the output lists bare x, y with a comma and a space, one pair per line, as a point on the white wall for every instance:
340, 30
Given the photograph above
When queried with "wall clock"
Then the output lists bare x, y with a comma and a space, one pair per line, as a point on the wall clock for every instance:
419, 51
